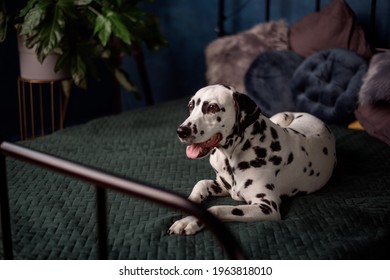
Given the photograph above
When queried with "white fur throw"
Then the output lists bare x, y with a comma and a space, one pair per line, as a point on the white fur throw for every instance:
228, 58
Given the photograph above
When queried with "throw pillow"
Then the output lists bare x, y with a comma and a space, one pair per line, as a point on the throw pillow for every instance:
335, 26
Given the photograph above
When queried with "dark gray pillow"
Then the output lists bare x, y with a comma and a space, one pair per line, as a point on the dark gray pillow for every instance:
267, 81
327, 83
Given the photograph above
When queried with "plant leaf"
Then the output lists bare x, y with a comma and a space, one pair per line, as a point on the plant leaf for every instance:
103, 29
30, 4
32, 19
3, 23
118, 25
124, 81
51, 33
79, 72
82, 2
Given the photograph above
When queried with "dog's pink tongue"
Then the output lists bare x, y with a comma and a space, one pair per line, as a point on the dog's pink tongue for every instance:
193, 151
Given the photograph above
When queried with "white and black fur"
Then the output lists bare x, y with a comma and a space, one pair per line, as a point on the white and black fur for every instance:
256, 159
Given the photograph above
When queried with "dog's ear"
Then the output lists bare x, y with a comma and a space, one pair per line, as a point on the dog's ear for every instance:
247, 111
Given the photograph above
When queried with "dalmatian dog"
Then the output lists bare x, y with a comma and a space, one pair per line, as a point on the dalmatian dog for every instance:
256, 159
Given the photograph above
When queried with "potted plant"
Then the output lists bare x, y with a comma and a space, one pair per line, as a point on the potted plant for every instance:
82, 31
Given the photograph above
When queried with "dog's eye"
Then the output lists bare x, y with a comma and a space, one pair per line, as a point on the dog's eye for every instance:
191, 106
212, 108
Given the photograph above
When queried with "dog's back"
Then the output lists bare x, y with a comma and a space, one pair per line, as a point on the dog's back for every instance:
314, 149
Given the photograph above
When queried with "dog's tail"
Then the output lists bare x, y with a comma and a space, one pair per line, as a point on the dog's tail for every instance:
283, 119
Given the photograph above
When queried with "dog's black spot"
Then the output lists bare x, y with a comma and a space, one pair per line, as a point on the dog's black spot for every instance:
262, 138
274, 133
265, 209
304, 170
277, 172
257, 163
216, 188
219, 119
275, 146
256, 128
247, 145
259, 127
299, 116
201, 132
304, 150
297, 132
311, 173
260, 152
248, 183
260, 195
325, 151
310, 163
225, 183
274, 205
194, 129
198, 102
237, 212
275, 160
271, 187
294, 191
228, 167
290, 158
266, 201
285, 116
223, 109
318, 174
229, 141
225, 86
213, 151
205, 105
201, 197
243, 165
263, 126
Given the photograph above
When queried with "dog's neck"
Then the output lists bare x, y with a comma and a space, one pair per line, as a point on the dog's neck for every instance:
255, 129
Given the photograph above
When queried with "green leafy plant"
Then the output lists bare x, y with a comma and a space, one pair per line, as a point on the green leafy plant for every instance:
83, 31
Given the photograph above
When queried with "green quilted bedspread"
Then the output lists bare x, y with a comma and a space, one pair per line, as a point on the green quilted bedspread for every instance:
53, 216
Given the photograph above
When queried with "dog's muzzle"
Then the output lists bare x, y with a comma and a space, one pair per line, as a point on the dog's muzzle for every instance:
197, 150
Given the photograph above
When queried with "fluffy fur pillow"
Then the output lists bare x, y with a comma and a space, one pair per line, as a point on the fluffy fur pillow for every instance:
376, 83
228, 58
335, 26
374, 98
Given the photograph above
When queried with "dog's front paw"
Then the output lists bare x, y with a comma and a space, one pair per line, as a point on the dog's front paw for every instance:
186, 226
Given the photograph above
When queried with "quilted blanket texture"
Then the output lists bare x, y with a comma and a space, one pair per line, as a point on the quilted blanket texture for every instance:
53, 217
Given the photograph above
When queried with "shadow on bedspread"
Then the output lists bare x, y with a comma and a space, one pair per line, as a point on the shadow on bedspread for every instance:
53, 217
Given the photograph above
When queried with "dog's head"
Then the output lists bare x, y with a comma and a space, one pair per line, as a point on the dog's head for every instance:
217, 113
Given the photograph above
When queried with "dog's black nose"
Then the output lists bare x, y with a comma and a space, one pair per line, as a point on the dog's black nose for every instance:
183, 131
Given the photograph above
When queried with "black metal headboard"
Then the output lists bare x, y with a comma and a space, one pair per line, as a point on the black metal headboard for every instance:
267, 15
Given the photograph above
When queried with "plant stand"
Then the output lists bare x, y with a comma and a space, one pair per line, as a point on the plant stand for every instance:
42, 104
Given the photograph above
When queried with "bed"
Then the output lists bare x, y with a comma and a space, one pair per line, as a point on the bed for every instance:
53, 216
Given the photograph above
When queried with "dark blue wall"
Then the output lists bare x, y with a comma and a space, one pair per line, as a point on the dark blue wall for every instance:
179, 69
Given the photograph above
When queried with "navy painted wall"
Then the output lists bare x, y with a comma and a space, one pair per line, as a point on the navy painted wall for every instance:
179, 69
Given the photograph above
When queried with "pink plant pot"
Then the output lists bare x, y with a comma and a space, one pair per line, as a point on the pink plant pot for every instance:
32, 69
